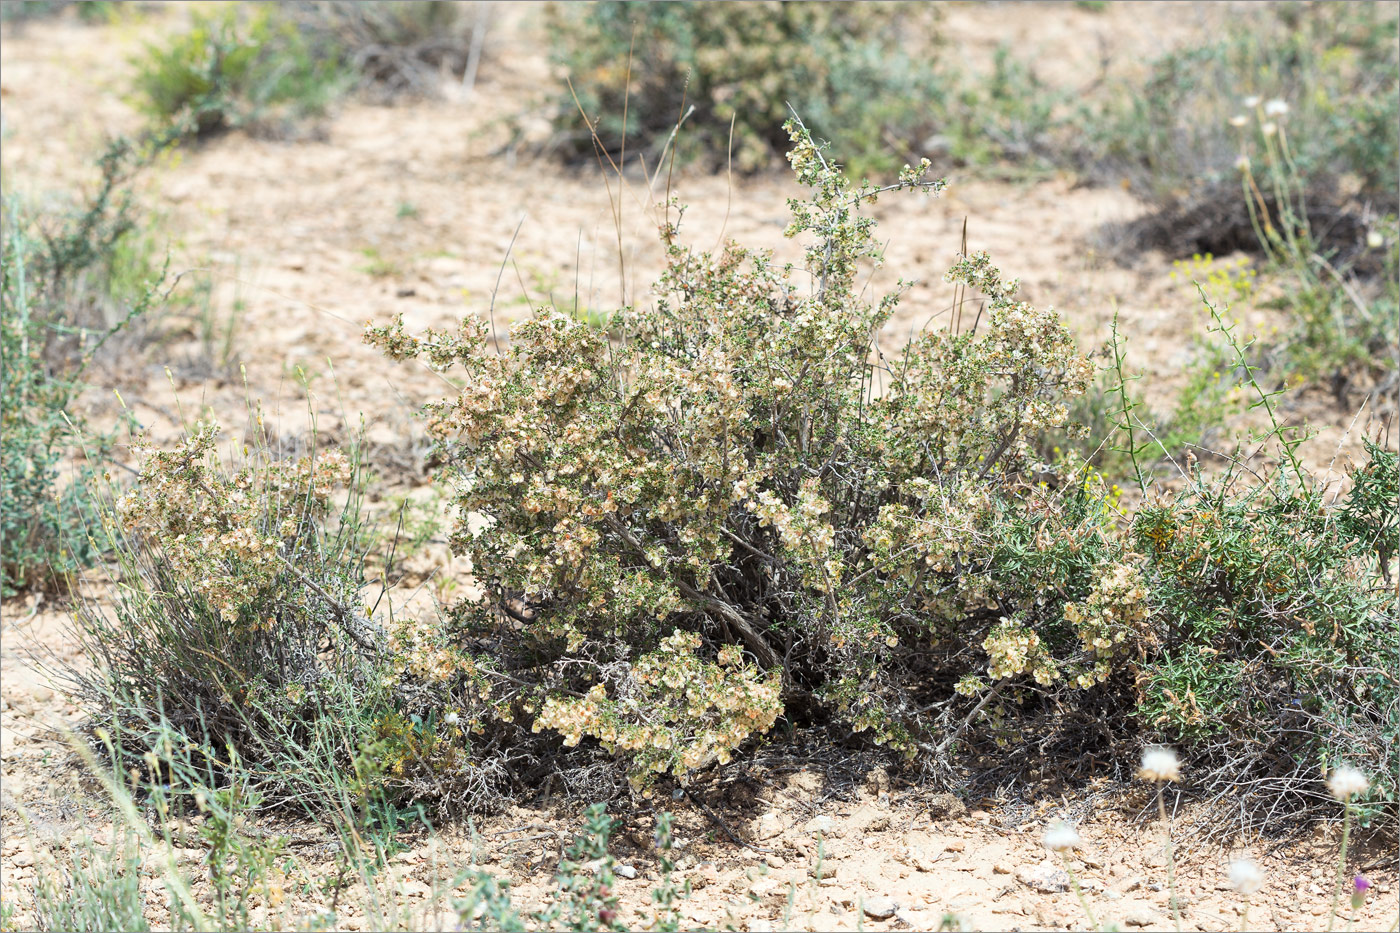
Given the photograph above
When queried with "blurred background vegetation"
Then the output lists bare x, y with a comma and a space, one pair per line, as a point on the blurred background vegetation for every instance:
1273, 143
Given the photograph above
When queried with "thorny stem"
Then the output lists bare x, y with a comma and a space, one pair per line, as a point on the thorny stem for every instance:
1171, 868
1125, 405
1265, 398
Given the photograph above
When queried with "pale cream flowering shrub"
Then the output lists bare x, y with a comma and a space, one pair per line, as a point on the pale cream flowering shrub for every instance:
235, 617
742, 475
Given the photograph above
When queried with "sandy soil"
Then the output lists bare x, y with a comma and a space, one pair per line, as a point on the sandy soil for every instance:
409, 210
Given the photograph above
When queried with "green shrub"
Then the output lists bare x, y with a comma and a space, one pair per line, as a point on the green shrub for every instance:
868, 74
244, 65
1267, 627
42, 538
72, 286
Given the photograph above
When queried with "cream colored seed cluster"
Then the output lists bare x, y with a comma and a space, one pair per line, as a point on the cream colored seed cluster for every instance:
218, 531
1112, 618
1014, 649
678, 711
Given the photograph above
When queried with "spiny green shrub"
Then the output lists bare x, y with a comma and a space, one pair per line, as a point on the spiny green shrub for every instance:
72, 284
1267, 627
871, 75
244, 65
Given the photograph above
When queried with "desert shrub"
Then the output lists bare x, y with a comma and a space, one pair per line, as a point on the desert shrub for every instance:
396, 48
73, 283
241, 66
42, 534
868, 74
236, 622
1268, 626
728, 494
732, 514
23, 11
1175, 140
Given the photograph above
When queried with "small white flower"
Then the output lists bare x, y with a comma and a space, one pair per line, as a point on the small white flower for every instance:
1375, 239
1239, 119
1268, 128
452, 719
1276, 107
1245, 875
1160, 763
1061, 837
1252, 101
1242, 163
1346, 782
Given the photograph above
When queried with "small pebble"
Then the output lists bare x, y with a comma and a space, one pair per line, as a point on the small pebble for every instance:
880, 908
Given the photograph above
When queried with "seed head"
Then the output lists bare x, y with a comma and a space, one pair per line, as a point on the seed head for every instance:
1346, 782
1242, 163
1268, 128
1159, 764
1252, 101
1276, 107
1061, 837
1245, 875
1239, 119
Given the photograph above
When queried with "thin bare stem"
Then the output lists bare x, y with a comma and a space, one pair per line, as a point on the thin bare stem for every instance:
1171, 861
1078, 892
1341, 867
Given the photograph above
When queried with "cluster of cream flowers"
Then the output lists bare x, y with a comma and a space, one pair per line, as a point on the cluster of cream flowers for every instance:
1112, 618
222, 533
1014, 649
674, 712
